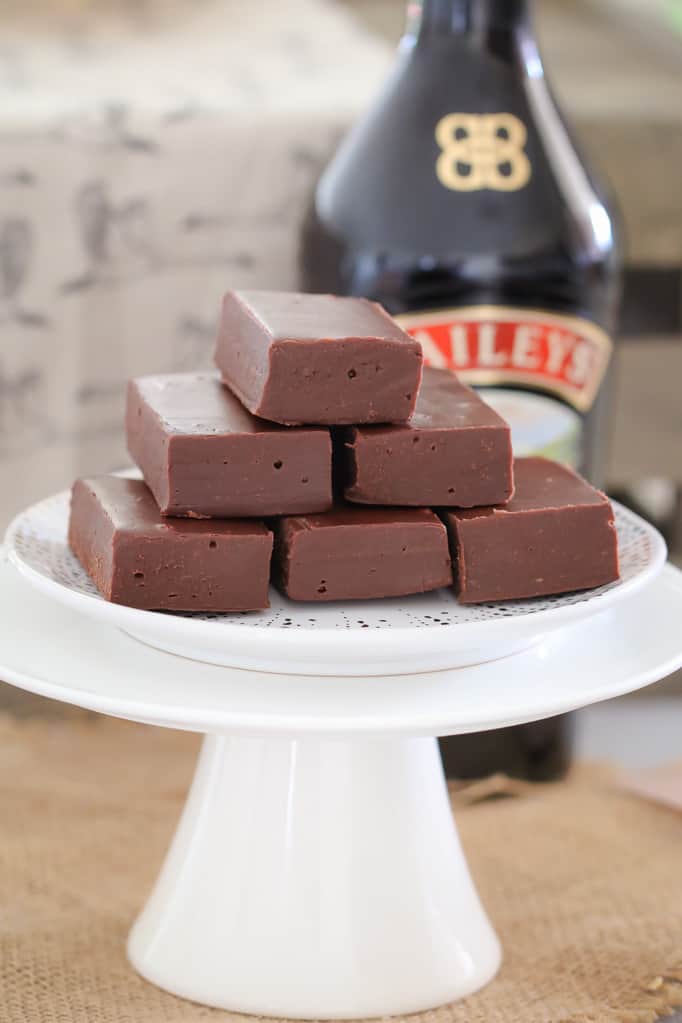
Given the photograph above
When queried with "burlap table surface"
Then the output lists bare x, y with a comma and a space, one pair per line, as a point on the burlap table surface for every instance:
581, 880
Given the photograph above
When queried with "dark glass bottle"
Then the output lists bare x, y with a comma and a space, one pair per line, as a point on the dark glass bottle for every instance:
460, 202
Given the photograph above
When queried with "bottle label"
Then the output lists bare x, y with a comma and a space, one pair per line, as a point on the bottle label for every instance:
497, 345
482, 151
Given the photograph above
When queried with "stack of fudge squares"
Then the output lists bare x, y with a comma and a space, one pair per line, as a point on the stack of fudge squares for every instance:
322, 456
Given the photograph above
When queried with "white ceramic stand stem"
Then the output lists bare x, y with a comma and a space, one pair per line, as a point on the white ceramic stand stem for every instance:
316, 878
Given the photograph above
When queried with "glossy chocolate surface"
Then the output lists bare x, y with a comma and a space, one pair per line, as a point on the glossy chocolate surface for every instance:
455, 450
295, 359
203, 454
356, 553
557, 534
138, 558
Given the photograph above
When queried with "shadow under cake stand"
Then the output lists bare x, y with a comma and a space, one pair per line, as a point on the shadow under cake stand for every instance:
316, 870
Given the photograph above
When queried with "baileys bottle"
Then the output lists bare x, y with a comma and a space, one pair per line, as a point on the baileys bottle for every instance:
461, 203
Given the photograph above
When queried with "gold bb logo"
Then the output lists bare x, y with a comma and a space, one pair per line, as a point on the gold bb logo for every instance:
482, 151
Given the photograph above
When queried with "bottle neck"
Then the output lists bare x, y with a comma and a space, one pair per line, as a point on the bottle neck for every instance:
472, 18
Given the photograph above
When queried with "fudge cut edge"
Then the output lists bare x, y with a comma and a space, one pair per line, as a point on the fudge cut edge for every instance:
533, 568
371, 380
166, 458
242, 352
368, 450
91, 530
114, 554
256, 366
429, 559
243, 568
148, 445
265, 488
455, 451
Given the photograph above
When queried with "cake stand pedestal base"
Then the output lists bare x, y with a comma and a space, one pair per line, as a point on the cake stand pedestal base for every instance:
316, 878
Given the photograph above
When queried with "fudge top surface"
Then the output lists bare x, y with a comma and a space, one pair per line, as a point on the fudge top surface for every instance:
130, 507
198, 404
542, 485
289, 316
364, 515
444, 402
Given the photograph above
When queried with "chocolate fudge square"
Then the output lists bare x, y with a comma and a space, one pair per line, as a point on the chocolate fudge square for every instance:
136, 557
357, 553
318, 359
557, 534
203, 455
454, 450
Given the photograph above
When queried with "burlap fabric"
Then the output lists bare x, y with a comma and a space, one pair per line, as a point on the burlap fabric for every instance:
581, 880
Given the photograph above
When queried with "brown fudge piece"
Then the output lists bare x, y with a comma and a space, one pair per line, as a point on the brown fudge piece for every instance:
202, 454
557, 534
455, 450
317, 358
136, 557
355, 553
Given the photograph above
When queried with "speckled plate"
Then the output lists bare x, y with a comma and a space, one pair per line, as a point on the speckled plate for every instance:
378, 637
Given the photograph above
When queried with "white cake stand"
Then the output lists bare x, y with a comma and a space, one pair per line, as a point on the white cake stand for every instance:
316, 870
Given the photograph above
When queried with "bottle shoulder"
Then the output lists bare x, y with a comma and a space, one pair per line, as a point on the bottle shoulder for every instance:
463, 156
406, 279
